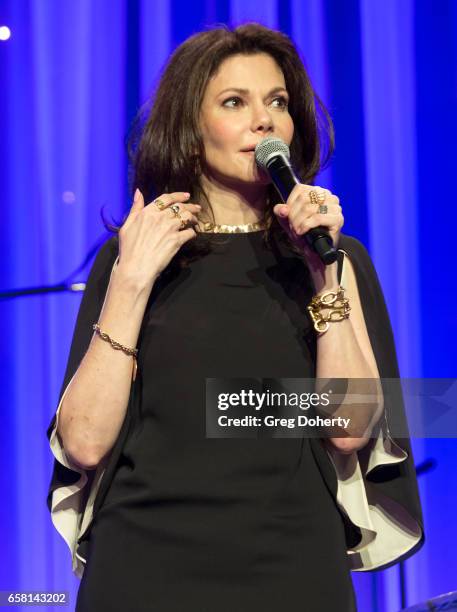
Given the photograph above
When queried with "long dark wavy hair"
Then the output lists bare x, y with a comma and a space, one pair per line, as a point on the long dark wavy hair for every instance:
165, 146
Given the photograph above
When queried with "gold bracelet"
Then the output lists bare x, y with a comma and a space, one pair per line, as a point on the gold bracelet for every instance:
133, 352
335, 303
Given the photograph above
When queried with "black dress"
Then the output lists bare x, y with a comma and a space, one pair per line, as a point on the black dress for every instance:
193, 524
172, 520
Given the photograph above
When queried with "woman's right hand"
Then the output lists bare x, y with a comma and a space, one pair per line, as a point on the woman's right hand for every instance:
150, 237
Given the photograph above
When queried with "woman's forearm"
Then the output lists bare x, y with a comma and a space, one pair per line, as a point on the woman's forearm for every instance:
339, 357
94, 406
344, 352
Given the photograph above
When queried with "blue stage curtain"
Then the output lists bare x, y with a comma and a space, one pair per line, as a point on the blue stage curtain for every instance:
73, 75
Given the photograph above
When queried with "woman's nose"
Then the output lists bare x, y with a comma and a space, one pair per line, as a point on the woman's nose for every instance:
261, 119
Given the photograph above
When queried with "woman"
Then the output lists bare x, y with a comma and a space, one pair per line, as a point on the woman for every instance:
209, 276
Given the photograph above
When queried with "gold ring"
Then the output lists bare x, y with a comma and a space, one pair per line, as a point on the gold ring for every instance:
321, 196
317, 197
313, 197
175, 209
159, 203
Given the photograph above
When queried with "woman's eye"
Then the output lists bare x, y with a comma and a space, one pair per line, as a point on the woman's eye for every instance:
235, 98
283, 102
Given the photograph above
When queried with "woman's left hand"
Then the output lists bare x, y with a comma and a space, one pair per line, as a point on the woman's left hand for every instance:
298, 215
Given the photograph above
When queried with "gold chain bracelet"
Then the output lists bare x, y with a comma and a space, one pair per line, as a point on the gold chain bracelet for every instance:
335, 303
133, 352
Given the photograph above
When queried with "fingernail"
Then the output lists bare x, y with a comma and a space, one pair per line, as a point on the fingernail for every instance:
136, 195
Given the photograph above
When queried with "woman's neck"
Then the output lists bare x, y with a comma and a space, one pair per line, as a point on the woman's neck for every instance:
236, 206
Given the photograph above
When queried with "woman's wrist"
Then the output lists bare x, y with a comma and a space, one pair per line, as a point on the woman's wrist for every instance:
131, 283
325, 278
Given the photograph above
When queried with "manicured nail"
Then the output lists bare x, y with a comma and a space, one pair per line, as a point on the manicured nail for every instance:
136, 195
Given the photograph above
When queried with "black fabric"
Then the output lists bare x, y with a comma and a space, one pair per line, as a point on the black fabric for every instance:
185, 522
397, 481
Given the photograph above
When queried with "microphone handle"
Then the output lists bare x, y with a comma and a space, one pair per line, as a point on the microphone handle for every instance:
285, 179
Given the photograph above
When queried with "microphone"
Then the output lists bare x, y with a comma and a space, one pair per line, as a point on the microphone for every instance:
273, 155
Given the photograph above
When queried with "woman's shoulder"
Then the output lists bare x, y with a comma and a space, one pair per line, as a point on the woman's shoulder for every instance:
106, 254
358, 254
354, 245
105, 258
110, 247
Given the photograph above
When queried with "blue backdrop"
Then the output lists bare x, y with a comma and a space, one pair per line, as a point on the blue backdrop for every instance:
72, 77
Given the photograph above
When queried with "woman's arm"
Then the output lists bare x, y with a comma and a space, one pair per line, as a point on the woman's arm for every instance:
94, 406
345, 351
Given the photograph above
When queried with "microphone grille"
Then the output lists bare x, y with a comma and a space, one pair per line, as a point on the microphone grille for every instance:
268, 147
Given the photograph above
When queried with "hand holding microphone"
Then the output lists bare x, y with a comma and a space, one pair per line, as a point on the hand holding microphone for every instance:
312, 216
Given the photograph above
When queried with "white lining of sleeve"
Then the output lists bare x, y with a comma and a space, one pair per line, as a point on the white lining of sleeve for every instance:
388, 531
67, 514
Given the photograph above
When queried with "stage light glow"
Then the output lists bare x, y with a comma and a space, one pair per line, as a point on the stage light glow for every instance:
5, 33
68, 197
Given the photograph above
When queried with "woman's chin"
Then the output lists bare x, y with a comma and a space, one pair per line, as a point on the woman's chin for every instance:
263, 178
245, 177
258, 176
253, 181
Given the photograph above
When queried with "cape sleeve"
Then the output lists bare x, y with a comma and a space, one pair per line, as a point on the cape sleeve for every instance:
72, 490
376, 487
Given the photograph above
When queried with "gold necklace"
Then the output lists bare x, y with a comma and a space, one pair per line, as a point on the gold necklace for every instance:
232, 229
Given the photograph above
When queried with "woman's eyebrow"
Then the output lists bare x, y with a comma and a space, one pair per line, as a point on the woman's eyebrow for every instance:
246, 91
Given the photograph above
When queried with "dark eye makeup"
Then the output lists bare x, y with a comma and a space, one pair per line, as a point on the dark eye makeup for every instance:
283, 100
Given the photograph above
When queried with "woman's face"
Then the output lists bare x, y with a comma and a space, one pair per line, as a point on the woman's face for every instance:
244, 102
